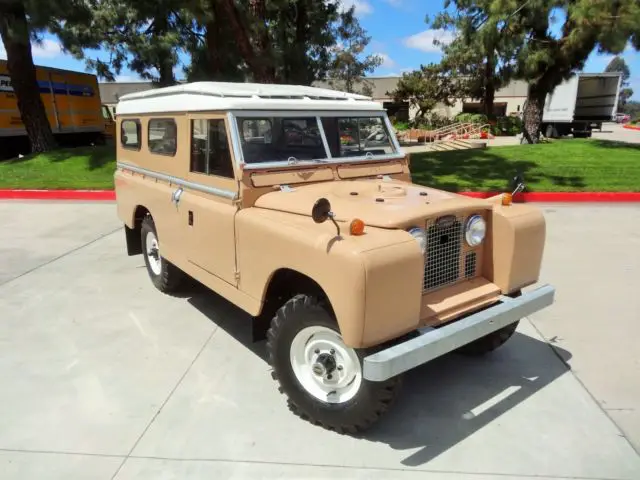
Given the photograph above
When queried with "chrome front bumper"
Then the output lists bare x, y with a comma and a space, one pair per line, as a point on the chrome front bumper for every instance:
434, 342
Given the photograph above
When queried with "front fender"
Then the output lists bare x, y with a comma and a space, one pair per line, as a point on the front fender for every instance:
373, 282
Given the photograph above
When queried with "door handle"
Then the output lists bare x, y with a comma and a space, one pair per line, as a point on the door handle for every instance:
175, 196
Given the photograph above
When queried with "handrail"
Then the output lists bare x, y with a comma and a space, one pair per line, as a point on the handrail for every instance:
455, 129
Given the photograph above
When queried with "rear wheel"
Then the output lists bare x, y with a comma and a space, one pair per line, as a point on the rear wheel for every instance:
165, 276
319, 374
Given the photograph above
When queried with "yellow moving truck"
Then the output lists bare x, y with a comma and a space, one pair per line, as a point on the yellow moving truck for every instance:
73, 105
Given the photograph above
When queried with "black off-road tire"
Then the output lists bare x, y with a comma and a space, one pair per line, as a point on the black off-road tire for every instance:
170, 277
491, 342
358, 414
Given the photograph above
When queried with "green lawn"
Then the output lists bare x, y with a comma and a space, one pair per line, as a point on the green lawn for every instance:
563, 165
560, 166
72, 168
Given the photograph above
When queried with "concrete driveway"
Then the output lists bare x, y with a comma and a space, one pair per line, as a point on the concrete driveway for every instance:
104, 377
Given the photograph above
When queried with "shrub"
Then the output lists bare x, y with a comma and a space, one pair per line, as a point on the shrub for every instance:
472, 118
507, 126
401, 126
431, 121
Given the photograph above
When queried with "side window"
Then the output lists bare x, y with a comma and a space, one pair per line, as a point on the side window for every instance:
130, 134
163, 136
210, 152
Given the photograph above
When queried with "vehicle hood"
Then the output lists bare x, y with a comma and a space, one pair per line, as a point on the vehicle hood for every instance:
379, 203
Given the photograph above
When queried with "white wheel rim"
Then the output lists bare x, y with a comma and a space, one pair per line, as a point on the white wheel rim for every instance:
314, 349
153, 253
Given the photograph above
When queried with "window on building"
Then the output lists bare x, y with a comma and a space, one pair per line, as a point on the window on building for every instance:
163, 136
210, 152
130, 134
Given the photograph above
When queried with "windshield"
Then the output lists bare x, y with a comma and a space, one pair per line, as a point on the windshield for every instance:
294, 139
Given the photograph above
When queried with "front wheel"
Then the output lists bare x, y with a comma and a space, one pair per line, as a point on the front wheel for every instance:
320, 375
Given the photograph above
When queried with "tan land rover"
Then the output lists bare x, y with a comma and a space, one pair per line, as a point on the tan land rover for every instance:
296, 204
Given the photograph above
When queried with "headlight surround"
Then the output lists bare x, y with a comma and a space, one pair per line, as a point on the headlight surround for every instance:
475, 230
421, 237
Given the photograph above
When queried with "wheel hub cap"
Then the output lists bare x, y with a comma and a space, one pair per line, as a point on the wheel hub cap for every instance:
153, 253
324, 366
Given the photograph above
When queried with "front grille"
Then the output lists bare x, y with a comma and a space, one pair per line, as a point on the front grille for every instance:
444, 245
470, 262
449, 259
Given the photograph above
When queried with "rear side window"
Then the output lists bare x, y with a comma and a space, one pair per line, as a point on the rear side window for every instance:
163, 136
210, 152
130, 134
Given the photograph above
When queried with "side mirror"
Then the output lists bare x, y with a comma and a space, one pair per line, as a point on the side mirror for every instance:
517, 183
322, 211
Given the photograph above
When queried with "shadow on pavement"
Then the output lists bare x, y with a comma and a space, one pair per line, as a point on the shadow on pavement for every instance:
442, 402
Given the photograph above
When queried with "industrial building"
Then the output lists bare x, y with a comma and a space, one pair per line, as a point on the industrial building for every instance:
508, 100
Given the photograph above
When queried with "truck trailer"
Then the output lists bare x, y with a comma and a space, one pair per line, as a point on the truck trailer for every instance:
579, 103
72, 103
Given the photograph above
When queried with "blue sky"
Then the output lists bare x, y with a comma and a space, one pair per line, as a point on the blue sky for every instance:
398, 33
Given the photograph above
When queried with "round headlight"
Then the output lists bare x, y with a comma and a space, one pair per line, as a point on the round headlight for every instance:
420, 235
475, 230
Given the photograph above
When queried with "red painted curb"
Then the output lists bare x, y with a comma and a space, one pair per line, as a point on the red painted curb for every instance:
631, 127
58, 194
110, 195
564, 196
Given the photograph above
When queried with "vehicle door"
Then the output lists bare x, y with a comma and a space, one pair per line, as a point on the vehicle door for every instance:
109, 124
209, 198
57, 104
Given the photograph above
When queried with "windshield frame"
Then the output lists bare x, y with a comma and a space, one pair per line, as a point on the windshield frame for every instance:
317, 114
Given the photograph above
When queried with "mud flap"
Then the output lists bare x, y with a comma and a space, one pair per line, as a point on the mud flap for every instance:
133, 240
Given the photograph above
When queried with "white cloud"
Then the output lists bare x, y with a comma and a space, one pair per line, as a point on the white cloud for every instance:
424, 40
47, 49
363, 7
387, 61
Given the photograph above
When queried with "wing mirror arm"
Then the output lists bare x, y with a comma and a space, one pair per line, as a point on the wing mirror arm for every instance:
518, 184
321, 212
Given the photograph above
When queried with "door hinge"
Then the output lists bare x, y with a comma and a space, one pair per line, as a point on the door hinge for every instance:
237, 275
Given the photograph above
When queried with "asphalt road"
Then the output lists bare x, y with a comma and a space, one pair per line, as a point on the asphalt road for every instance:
104, 377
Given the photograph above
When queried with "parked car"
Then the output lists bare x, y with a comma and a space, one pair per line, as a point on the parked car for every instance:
623, 118
352, 273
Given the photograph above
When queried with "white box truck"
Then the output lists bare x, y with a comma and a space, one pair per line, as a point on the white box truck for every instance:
579, 103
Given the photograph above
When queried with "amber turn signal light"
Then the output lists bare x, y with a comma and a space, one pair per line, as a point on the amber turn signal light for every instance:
507, 199
356, 227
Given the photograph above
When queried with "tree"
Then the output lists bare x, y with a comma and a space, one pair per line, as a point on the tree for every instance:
144, 35
617, 64
545, 59
348, 67
211, 46
543, 56
281, 41
17, 34
424, 88
474, 54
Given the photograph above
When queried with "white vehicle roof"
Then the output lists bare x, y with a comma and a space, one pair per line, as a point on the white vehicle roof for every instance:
212, 96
